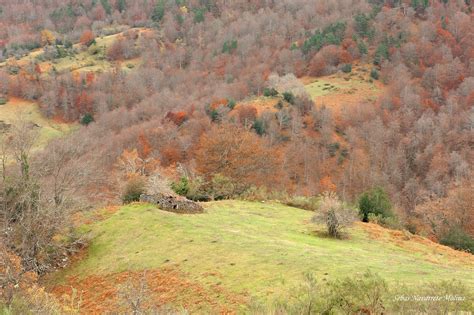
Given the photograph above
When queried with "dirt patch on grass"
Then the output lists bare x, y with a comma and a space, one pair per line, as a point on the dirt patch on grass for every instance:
101, 294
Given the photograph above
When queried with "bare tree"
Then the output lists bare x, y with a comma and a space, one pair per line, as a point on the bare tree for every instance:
335, 214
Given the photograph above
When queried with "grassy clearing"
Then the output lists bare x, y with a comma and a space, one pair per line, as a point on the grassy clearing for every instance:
343, 89
16, 109
92, 59
256, 249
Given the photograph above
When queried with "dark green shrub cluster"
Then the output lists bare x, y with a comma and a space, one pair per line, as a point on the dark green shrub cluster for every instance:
383, 49
231, 103
199, 15
375, 201
333, 34
347, 68
289, 97
457, 238
270, 92
219, 187
374, 74
362, 47
87, 119
229, 46
158, 11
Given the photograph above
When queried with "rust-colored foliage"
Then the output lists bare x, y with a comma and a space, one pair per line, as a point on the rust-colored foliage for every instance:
218, 103
247, 114
170, 154
238, 154
87, 38
177, 118
145, 146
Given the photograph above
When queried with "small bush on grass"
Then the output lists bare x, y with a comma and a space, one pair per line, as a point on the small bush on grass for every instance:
134, 188
335, 214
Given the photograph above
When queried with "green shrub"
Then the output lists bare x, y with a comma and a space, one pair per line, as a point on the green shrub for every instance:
192, 188
270, 92
134, 188
289, 97
229, 46
158, 11
374, 74
375, 201
3, 100
457, 238
231, 104
199, 15
87, 119
259, 127
13, 69
362, 47
181, 187
347, 68
366, 294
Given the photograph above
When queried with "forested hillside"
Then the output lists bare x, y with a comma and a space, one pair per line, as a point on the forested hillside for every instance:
371, 101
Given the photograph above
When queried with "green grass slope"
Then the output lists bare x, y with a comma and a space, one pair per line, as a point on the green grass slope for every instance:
258, 249
17, 109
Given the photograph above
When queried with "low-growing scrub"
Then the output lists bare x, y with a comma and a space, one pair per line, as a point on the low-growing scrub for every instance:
369, 293
306, 203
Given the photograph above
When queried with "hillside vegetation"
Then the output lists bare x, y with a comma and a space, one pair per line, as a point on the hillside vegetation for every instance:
238, 251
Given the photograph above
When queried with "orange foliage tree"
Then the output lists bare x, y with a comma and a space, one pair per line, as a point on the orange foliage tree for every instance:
177, 118
87, 38
238, 154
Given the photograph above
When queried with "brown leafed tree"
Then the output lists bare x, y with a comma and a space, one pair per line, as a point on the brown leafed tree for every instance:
238, 154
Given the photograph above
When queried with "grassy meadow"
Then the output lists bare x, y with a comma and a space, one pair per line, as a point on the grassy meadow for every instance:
257, 250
